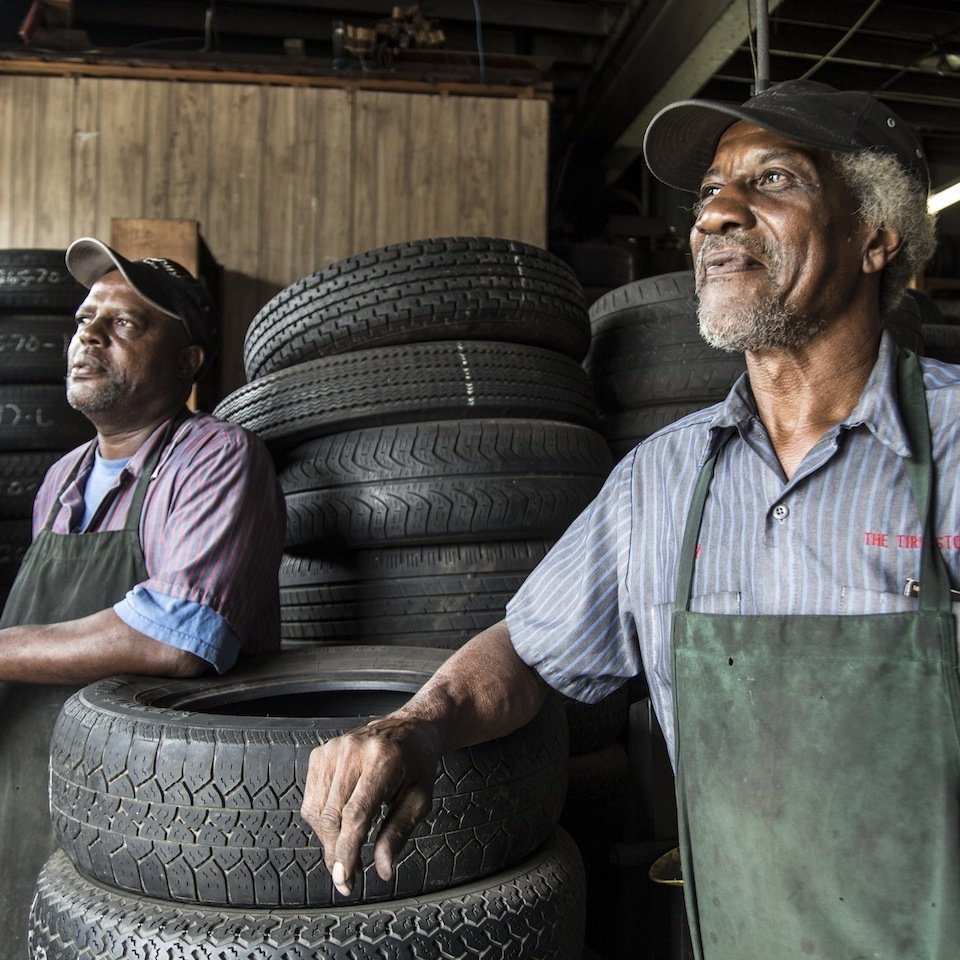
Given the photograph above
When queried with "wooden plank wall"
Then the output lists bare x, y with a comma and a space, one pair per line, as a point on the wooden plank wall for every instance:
284, 180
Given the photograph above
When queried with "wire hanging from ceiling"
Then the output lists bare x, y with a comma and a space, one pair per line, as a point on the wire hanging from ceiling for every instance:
873, 6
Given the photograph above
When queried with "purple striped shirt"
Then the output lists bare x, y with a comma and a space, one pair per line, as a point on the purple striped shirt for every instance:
840, 537
212, 524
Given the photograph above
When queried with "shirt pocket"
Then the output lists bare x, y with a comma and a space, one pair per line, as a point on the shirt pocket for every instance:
659, 625
856, 600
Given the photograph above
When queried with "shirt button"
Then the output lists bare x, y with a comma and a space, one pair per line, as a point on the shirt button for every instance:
780, 511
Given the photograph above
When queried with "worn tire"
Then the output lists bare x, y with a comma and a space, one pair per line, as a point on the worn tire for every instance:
33, 349
941, 341
190, 790
531, 911
625, 429
38, 417
15, 537
436, 380
37, 280
647, 347
442, 482
449, 288
20, 477
593, 726
434, 596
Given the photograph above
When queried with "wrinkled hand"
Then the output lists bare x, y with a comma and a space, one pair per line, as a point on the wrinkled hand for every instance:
390, 761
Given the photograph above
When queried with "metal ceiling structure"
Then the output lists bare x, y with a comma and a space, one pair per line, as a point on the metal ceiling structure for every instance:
609, 63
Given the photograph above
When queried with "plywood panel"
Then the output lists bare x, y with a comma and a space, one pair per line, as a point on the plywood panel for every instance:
123, 147
25, 171
283, 180
86, 156
233, 226
53, 183
190, 151
479, 165
434, 166
533, 160
158, 141
10, 88
332, 186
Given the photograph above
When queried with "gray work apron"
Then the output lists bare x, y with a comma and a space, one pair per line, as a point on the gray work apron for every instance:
62, 577
818, 761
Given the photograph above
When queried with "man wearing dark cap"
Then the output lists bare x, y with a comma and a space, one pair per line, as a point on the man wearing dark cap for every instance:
156, 545
779, 566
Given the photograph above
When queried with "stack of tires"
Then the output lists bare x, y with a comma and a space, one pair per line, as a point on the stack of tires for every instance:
433, 432
38, 301
648, 363
177, 810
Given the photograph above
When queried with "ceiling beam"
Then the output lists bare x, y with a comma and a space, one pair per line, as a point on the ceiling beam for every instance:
667, 65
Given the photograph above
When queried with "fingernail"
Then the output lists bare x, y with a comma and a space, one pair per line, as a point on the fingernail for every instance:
340, 879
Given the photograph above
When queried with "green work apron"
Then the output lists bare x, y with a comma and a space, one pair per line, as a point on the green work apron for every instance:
818, 766
62, 577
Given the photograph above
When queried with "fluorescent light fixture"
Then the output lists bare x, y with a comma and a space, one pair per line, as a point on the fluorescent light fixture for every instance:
940, 199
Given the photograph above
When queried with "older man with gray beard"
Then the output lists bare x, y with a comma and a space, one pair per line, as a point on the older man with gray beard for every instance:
780, 566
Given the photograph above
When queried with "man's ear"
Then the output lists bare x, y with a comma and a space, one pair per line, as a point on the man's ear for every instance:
191, 360
882, 245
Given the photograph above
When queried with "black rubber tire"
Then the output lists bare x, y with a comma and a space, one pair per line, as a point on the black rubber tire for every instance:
20, 477
941, 341
415, 596
38, 417
533, 910
647, 347
449, 288
33, 349
624, 429
15, 537
905, 322
598, 798
442, 482
595, 264
436, 380
190, 790
37, 280
593, 726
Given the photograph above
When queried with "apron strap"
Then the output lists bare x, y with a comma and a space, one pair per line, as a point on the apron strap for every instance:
934, 579
691, 534
132, 522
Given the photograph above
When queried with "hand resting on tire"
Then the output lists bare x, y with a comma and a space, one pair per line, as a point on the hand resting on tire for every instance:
482, 692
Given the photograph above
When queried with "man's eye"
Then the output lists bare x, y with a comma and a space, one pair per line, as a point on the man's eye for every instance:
709, 190
774, 177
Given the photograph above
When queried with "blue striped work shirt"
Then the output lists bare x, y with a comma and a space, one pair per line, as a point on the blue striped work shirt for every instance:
840, 537
211, 529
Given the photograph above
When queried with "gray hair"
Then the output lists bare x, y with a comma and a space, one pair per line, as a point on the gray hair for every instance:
890, 197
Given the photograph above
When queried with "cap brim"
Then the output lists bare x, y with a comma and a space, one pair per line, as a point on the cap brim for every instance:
89, 259
681, 140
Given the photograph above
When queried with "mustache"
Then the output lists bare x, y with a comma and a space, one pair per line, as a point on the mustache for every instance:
753, 247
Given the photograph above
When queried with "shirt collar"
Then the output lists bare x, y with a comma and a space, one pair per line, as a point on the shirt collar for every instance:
877, 409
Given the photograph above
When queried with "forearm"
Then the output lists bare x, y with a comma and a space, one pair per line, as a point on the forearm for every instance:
481, 692
84, 650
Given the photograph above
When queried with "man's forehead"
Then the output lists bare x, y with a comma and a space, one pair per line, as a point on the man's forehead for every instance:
747, 139
113, 286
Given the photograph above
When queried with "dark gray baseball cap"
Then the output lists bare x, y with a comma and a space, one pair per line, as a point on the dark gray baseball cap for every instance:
163, 283
680, 141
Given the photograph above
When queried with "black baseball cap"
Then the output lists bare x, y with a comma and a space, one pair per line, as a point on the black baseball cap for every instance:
161, 282
681, 140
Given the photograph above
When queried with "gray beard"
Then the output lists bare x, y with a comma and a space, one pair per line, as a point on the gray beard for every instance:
766, 323
97, 400
762, 324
